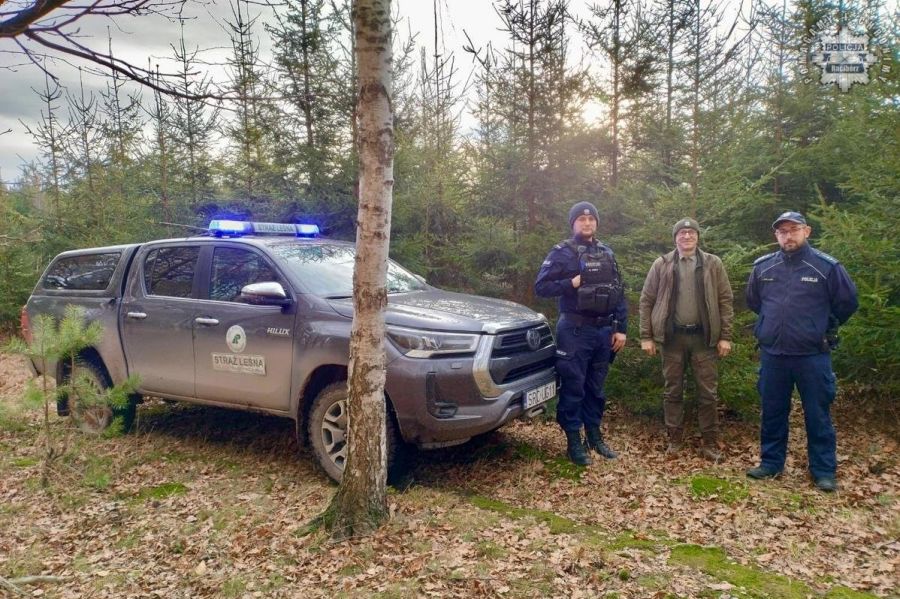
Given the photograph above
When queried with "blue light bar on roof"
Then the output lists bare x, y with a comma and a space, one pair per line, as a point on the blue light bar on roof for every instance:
228, 227
307, 230
235, 228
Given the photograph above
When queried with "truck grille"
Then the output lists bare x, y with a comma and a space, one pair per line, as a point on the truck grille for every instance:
512, 358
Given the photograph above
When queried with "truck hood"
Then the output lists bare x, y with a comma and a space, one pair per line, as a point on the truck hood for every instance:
447, 311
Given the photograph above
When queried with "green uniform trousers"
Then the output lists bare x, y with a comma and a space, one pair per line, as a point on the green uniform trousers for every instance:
676, 354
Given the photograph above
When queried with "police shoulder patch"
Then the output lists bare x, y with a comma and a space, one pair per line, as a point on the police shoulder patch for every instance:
762, 259
825, 256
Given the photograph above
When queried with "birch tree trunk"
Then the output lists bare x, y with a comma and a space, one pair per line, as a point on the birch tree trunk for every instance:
360, 504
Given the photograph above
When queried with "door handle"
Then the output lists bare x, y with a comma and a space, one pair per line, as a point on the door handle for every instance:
137, 315
208, 321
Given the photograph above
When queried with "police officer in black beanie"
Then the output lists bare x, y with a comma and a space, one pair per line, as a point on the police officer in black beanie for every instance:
583, 274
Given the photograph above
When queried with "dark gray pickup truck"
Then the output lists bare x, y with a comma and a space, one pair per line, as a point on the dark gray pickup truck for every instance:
256, 316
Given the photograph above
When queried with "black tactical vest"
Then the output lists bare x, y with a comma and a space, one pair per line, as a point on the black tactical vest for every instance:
601, 285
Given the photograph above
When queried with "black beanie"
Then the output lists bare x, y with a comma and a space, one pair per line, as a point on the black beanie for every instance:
582, 208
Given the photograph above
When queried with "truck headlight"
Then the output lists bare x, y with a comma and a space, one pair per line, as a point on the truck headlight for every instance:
424, 344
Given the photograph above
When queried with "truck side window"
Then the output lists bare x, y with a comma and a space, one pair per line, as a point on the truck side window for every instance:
87, 272
169, 271
233, 268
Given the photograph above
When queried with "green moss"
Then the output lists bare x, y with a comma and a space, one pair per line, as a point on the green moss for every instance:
556, 466
842, 592
97, 473
25, 462
130, 540
398, 590
525, 451
229, 465
557, 524
80, 564
537, 583
223, 517
710, 487
627, 540
274, 582
97, 480
160, 492
714, 562
748, 581
234, 587
490, 550
654, 582
885, 499
26, 561
350, 570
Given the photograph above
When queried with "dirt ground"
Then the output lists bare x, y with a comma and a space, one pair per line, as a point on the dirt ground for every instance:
204, 502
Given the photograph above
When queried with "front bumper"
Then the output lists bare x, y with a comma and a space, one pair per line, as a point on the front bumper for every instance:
449, 400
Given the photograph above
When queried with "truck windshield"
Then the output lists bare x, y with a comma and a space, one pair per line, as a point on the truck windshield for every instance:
327, 270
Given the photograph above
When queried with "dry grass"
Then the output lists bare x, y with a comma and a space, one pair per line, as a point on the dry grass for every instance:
210, 503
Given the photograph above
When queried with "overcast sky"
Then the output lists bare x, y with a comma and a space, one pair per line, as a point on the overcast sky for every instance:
138, 39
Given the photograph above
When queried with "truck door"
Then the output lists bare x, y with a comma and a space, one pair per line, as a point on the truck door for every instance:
243, 353
158, 319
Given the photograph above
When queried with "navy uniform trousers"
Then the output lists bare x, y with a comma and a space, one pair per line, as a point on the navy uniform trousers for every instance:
814, 379
582, 360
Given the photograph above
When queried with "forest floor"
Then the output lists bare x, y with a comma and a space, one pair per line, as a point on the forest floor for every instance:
204, 502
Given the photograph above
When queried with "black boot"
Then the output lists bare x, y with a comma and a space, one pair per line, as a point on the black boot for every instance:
595, 442
576, 450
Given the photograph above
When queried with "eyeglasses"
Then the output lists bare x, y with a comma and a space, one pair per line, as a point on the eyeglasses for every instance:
687, 233
788, 231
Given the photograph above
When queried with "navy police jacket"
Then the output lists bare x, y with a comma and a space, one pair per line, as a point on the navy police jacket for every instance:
555, 280
794, 294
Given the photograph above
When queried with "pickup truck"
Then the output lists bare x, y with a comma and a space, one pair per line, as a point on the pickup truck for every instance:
256, 316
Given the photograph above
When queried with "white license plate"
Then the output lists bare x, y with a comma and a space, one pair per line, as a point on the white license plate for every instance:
540, 395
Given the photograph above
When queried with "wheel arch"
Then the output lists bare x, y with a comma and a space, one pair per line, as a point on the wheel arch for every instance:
320, 378
64, 370
88, 354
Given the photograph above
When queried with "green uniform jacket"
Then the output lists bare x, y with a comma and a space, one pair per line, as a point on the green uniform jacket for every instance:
658, 299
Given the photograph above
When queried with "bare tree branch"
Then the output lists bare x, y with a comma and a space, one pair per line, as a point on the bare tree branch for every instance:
5, 584
53, 25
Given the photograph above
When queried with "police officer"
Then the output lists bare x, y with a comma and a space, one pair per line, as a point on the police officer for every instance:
799, 293
583, 274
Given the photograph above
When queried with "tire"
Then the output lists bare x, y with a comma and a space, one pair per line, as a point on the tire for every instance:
327, 431
95, 419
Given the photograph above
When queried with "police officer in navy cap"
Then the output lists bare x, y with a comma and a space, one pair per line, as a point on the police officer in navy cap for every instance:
801, 295
583, 274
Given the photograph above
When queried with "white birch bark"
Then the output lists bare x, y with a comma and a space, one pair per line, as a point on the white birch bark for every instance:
361, 503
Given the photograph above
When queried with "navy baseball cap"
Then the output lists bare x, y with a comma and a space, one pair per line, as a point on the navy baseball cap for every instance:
794, 217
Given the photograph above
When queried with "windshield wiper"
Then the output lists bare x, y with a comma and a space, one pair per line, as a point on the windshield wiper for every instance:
339, 296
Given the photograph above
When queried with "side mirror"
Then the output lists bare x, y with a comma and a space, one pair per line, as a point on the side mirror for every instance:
269, 293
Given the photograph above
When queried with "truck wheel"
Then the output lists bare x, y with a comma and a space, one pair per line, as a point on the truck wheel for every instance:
327, 429
95, 418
